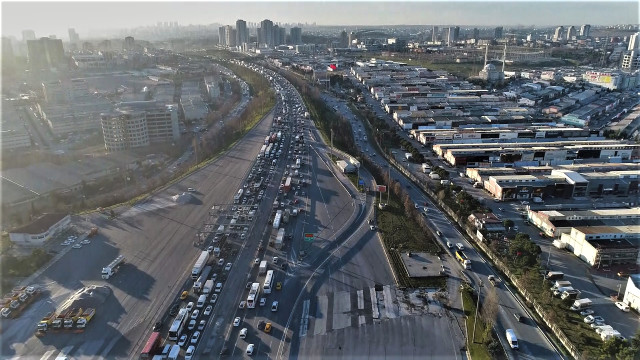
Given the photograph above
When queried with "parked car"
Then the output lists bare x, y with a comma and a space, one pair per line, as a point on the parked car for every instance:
622, 306
586, 312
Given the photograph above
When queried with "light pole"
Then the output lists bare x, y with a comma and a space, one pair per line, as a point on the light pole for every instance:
475, 320
619, 287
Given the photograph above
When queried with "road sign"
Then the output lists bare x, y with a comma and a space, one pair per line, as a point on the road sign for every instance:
308, 237
382, 188
361, 182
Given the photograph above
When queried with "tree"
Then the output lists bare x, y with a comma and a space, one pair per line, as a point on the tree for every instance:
490, 307
508, 223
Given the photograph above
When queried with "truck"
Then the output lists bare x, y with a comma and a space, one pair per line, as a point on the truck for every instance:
559, 244
285, 216
434, 176
263, 267
17, 301
560, 283
59, 319
559, 291
262, 149
554, 275
220, 230
199, 265
45, 323
93, 232
294, 212
512, 339
581, 304
266, 140
110, 270
276, 204
208, 286
277, 219
174, 352
426, 168
279, 135
197, 285
444, 182
464, 260
570, 294
536, 199
71, 318
408, 156
236, 198
477, 185
85, 317
298, 163
287, 185
610, 334
279, 239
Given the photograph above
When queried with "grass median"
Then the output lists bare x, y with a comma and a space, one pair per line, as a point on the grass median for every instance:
478, 348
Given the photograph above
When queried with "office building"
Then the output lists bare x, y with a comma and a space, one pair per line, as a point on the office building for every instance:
352, 37
344, 39
634, 42
434, 34
557, 36
242, 33
497, 33
230, 36
222, 35
476, 34
571, 32
129, 44
74, 38
296, 36
137, 124
452, 35
585, 30
28, 35
265, 35
45, 53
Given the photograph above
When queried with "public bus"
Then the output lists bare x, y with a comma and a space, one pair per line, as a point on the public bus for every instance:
178, 324
253, 294
268, 280
151, 346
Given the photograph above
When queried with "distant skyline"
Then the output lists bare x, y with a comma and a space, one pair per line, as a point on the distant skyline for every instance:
54, 18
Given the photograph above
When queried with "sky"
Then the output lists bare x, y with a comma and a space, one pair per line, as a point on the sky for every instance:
54, 18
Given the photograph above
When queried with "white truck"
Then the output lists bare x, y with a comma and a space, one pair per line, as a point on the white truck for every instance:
279, 239
277, 219
208, 286
426, 168
581, 304
200, 263
197, 285
263, 267
512, 339
113, 267
559, 284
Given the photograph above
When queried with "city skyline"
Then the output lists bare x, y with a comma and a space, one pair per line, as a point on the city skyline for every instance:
89, 18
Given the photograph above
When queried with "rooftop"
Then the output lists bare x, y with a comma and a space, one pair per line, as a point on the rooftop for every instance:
40, 225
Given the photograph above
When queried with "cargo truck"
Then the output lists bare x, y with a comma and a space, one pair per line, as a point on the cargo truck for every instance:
85, 317
279, 239
554, 275
59, 319
208, 286
464, 260
560, 283
197, 285
113, 267
263, 267
93, 232
560, 290
45, 323
570, 294
287, 185
277, 219
199, 265
581, 304
71, 318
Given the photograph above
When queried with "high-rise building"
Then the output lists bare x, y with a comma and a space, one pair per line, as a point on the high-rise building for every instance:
434, 34
585, 30
7, 53
344, 39
222, 35
634, 42
557, 36
242, 33
230, 36
476, 34
129, 44
452, 35
74, 38
45, 53
497, 33
282, 36
266, 33
630, 60
352, 36
296, 36
571, 32
28, 35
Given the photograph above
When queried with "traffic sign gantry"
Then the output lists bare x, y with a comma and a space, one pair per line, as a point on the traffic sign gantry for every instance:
308, 237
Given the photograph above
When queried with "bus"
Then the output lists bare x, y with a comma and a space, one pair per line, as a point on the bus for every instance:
267, 282
178, 324
151, 346
253, 293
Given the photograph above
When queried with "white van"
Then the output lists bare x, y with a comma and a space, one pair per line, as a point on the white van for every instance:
201, 300
511, 338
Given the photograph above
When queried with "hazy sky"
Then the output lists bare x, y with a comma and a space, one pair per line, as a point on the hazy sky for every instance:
54, 18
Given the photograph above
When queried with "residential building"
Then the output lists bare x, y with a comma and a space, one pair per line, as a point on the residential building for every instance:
296, 35
74, 38
242, 33
585, 30
571, 32
230, 35
557, 36
434, 34
222, 35
45, 53
13, 133
497, 32
129, 44
7, 53
265, 35
28, 35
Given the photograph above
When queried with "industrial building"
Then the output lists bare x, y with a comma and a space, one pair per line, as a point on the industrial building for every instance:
554, 223
632, 292
40, 230
604, 246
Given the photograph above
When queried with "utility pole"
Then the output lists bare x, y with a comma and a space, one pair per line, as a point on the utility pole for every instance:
389, 185
475, 320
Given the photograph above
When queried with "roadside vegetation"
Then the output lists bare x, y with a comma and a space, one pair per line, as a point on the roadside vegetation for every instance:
482, 344
13, 268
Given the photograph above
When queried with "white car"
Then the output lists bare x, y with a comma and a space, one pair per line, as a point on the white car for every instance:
243, 333
256, 261
77, 246
220, 262
85, 242
202, 324
250, 348
195, 337
227, 267
207, 310
274, 306
263, 301
622, 306
189, 354
236, 322
242, 304
586, 312
192, 325
183, 340
189, 306
195, 313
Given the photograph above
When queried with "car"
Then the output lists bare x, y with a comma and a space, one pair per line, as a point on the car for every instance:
157, 326
586, 312
278, 285
195, 337
189, 306
372, 227
623, 274
250, 348
195, 314
220, 262
263, 301
214, 298
227, 267
192, 325
242, 305
183, 340
210, 249
501, 209
174, 309
184, 295
622, 306
191, 190
85, 242
256, 261
236, 321
515, 228
438, 232
243, 333
190, 351
519, 317
274, 306
207, 310
248, 285
261, 325
202, 324
66, 243
77, 246
597, 324
267, 327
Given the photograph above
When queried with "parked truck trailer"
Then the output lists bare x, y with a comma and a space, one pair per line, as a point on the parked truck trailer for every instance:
199, 265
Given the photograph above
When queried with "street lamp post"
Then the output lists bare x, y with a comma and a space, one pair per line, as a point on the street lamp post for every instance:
475, 320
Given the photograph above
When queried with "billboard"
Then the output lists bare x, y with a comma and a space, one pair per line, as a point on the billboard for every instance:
382, 188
